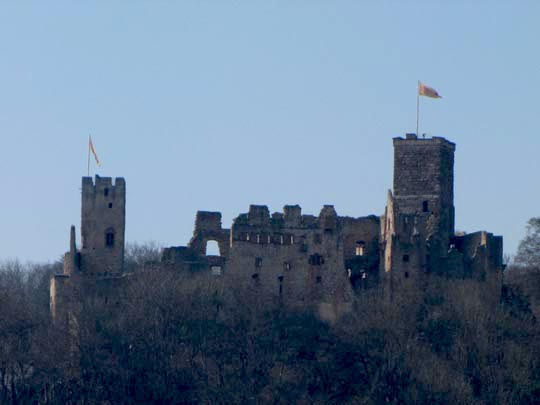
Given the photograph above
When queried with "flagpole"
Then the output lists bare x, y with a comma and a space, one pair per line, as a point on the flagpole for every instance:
417, 107
88, 160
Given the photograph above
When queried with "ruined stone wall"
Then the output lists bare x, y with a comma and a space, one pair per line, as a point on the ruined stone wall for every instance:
361, 250
208, 228
299, 260
60, 292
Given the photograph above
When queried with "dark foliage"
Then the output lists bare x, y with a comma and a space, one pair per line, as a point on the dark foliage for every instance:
173, 340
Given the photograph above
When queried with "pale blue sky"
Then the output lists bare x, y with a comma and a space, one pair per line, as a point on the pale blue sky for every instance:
215, 105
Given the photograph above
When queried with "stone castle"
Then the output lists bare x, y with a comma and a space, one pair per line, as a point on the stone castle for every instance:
302, 260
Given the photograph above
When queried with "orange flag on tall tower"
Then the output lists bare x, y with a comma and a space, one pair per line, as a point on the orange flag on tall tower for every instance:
427, 91
91, 146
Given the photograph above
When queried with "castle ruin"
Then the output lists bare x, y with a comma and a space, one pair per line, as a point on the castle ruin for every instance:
302, 260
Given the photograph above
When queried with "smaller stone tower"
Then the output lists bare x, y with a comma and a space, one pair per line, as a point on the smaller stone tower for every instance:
103, 223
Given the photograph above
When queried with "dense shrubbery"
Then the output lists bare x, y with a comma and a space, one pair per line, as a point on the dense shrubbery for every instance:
179, 341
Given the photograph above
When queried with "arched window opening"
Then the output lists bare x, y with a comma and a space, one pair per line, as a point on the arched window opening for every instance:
212, 248
109, 237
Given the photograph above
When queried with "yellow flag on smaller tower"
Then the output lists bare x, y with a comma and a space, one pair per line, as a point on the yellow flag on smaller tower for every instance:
91, 148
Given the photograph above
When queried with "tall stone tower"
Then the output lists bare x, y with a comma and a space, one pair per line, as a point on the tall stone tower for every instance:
424, 184
418, 225
103, 223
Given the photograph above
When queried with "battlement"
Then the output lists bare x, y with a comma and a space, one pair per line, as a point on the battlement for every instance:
328, 218
259, 217
414, 141
101, 183
292, 215
207, 221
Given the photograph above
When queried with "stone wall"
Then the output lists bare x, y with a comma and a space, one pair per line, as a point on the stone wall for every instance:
302, 261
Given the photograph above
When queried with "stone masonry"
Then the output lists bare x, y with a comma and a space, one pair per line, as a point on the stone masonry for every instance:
304, 261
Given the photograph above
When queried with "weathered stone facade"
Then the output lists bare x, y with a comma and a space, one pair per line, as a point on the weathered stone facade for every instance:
305, 261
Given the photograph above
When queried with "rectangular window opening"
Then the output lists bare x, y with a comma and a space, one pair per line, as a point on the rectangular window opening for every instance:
360, 248
316, 259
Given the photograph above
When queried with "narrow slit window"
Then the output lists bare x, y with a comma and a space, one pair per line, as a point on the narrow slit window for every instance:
106, 192
110, 205
425, 206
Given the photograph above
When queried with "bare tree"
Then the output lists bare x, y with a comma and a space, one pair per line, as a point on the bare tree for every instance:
528, 254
